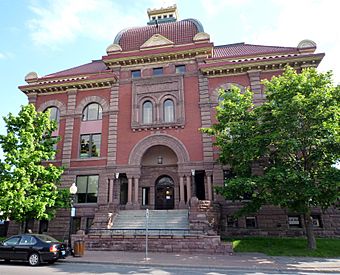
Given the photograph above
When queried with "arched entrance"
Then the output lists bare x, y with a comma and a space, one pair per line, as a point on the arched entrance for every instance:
164, 193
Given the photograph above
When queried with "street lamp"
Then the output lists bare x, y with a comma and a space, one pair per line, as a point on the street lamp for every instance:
193, 183
73, 191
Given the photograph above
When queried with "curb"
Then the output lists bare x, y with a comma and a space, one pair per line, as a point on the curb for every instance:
208, 268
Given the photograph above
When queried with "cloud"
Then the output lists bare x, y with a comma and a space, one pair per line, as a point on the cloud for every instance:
215, 7
305, 19
6, 55
58, 22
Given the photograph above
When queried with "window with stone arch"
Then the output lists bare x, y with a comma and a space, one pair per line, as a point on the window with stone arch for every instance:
54, 113
168, 111
147, 112
92, 111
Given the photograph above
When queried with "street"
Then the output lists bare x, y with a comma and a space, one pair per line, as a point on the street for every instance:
61, 268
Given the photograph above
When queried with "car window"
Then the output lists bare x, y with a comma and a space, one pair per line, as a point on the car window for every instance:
46, 238
12, 241
27, 240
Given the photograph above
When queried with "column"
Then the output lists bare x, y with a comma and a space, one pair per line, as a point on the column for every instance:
129, 191
69, 127
136, 192
188, 188
209, 187
110, 190
181, 192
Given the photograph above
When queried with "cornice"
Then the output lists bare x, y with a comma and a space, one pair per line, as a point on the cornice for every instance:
59, 85
243, 66
144, 57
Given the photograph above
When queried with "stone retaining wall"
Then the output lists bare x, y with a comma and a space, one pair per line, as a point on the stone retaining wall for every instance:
182, 244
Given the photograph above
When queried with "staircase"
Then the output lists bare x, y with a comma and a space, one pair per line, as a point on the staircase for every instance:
159, 220
168, 231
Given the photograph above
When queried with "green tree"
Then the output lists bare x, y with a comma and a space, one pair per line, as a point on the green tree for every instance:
28, 183
293, 137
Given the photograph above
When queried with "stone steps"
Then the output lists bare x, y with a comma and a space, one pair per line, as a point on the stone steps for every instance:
158, 219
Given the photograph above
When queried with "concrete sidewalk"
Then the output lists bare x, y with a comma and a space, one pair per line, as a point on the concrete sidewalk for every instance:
242, 261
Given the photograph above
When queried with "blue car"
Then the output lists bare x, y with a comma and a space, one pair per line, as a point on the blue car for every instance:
32, 248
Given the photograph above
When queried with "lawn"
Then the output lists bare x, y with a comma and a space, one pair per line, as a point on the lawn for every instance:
326, 247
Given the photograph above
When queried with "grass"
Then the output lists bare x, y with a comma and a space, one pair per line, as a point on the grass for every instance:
326, 247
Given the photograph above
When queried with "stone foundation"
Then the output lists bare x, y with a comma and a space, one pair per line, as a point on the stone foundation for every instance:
180, 244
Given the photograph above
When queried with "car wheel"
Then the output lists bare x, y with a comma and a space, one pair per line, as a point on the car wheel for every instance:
34, 259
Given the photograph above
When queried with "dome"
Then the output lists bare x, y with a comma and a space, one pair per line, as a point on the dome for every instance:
179, 32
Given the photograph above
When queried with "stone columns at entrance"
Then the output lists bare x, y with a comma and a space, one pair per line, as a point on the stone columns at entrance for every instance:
209, 187
129, 202
136, 204
110, 190
188, 188
181, 192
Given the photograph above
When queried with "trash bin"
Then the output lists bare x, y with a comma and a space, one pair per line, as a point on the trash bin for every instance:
79, 248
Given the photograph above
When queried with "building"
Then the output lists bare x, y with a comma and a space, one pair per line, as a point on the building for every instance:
129, 123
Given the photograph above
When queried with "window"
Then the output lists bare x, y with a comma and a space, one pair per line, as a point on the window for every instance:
157, 71
171, 15
147, 112
12, 241
93, 111
180, 69
87, 189
90, 145
169, 114
145, 195
232, 221
251, 222
136, 74
294, 221
27, 240
43, 226
317, 221
54, 113
153, 17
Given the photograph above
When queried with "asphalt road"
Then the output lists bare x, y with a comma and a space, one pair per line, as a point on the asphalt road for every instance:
62, 268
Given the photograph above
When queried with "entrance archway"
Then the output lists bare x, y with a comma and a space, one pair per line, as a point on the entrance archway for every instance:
164, 193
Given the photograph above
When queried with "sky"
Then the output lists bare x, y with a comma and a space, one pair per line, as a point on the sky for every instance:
47, 36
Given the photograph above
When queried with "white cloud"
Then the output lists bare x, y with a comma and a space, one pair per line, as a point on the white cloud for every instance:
305, 19
2, 56
59, 22
215, 7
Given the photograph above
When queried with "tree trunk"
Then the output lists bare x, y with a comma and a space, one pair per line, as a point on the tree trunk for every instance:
309, 231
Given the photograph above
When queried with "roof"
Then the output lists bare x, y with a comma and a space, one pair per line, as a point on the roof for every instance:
96, 66
242, 49
180, 32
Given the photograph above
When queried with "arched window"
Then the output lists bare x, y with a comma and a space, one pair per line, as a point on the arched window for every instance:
147, 112
168, 111
93, 111
54, 113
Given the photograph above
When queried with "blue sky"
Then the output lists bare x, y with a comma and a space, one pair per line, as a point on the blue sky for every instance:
47, 36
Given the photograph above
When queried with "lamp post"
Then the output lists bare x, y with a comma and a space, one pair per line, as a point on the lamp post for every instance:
193, 183
73, 191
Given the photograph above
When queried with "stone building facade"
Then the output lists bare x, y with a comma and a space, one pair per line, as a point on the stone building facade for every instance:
129, 123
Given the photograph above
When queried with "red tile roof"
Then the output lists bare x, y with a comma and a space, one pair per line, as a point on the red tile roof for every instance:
180, 32
96, 66
242, 49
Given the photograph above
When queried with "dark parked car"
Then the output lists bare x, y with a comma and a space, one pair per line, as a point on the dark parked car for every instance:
34, 248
